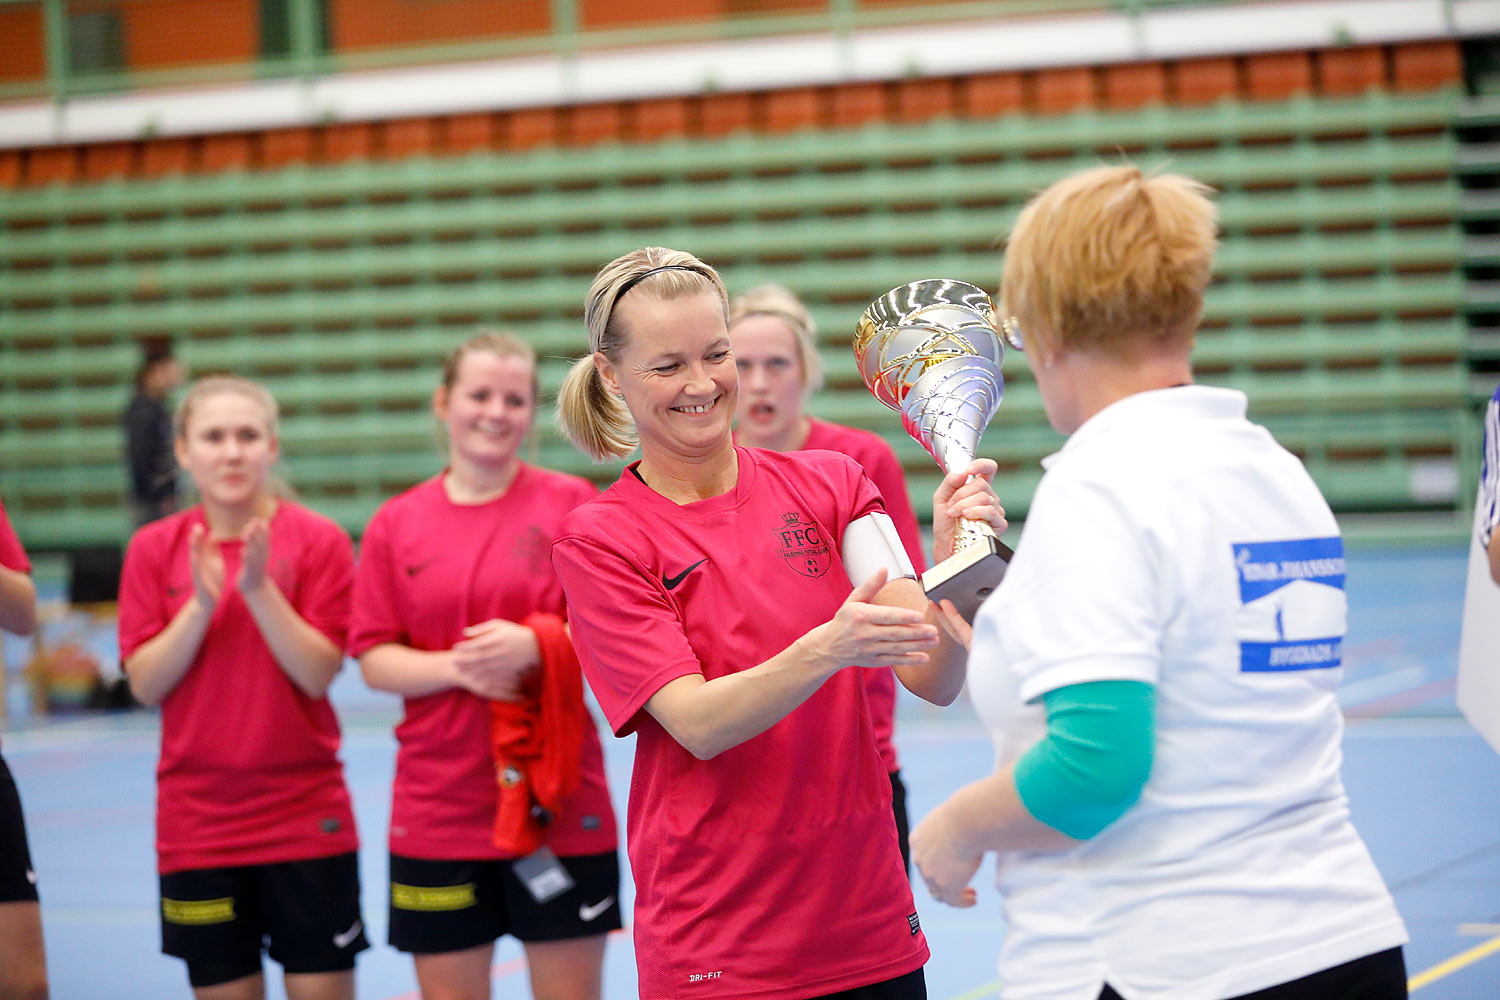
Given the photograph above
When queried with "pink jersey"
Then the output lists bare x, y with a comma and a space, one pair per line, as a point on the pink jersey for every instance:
249, 770
12, 555
772, 870
428, 568
875, 456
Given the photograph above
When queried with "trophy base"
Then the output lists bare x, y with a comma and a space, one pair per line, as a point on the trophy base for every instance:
966, 578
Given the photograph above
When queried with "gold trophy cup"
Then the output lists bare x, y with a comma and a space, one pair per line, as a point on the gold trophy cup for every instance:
932, 350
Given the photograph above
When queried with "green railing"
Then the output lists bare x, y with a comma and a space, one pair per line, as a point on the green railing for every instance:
568, 34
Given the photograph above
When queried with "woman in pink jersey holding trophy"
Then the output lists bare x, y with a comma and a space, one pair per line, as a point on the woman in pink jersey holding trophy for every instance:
716, 593
776, 352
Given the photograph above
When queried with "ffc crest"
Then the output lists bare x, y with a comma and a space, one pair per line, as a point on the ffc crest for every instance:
533, 548
803, 545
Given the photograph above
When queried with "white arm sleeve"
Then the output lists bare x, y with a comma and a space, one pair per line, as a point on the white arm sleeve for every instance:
871, 542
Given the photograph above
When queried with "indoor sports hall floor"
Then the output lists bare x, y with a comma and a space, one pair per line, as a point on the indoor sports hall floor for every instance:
1425, 792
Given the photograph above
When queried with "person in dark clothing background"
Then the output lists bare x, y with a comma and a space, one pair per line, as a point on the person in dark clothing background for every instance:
148, 433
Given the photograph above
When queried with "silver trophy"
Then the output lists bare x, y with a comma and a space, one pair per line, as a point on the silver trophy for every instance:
932, 350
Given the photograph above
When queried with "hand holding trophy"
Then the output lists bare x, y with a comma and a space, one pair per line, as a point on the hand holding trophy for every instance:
932, 350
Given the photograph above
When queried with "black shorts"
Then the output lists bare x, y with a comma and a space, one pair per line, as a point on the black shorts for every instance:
1381, 976
17, 877
903, 819
439, 906
912, 986
307, 911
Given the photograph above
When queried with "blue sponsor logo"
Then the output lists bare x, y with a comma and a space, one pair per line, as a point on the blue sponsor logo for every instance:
1265, 656
1293, 610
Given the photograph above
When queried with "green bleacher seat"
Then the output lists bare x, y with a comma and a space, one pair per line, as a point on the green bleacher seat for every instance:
1339, 304
1089, 132
848, 280
901, 236
659, 212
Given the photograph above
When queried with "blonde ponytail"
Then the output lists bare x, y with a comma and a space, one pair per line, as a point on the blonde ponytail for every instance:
594, 420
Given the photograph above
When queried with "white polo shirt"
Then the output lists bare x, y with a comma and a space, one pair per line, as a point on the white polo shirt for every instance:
1173, 542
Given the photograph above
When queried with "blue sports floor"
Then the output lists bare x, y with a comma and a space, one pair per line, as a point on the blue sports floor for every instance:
1425, 792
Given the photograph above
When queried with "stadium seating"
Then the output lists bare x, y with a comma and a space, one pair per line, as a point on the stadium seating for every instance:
1338, 303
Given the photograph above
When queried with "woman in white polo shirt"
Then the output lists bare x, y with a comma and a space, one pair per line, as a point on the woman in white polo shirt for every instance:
1159, 666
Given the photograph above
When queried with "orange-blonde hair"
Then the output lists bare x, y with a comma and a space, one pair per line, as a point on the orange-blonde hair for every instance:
1112, 260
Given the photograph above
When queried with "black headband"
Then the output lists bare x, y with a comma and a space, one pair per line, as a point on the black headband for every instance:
643, 276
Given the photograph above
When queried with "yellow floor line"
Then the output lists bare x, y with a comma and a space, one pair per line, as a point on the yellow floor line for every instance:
1453, 964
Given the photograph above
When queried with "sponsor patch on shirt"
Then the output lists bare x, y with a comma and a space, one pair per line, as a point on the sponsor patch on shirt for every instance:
1293, 609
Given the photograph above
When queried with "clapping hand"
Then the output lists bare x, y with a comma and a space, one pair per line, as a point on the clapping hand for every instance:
207, 565
257, 539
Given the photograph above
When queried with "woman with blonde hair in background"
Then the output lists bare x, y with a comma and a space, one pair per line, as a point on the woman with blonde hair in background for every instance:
232, 619
457, 609
776, 353
717, 593
1159, 667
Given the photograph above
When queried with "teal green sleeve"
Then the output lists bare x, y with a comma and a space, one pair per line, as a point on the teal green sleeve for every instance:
1095, 758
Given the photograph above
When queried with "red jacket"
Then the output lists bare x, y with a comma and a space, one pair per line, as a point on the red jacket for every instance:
537, 743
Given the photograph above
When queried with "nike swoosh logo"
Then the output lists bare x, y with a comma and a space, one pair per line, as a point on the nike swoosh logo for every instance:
419, 567
172, 591
347, 938
587, 912
670, 582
